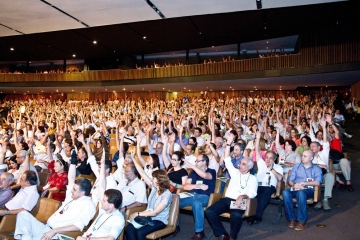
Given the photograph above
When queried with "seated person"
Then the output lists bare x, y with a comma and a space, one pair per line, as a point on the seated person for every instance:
73, 215
200, 183
20, 158
110, 221
158, 208
242, 186
268, 176
110, 180
303, 177
132, 189
14, 167
6, 179
27, 196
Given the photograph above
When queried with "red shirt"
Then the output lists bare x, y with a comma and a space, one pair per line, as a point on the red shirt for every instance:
336, 144
59, 181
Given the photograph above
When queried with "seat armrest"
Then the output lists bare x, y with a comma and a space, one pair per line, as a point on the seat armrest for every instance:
251, 205
135, 209
214, 197
317, 193
280, 187
8, 223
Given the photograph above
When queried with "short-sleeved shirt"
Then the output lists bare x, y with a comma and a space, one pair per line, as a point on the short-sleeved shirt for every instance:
135, 191
176, 176
5, 196
106, 224
26, 198
154, 201
211, 183
300, 174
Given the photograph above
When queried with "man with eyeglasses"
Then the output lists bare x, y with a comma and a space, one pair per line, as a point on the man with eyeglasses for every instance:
26, 198
132, 189
20, 159
242, 186
6, 179
73, 215
200, 183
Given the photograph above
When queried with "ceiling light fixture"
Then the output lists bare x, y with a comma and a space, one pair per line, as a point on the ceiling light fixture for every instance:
94, 42
144, 37
11, 49
74, 55
258, 4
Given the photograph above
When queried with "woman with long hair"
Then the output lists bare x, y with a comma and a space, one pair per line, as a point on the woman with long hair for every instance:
152, 163
14, 167
158, 207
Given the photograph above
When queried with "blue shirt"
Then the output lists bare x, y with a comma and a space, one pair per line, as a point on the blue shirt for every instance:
236, 164
211, 183
300, 174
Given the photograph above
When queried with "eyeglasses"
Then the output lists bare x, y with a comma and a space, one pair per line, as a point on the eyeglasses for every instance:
173, 159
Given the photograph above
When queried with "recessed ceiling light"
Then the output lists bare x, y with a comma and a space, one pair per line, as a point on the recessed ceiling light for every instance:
106, 89
267, 41
163, 88
57, 90
267, 48
189, 90
144, 37
94, 42
11, 49
74, 55
123, 89
230, 87
80, 92
72, 90
212, 46
305, 86
42, 91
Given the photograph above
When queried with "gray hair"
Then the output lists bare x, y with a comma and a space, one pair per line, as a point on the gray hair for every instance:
250, 162
9, 176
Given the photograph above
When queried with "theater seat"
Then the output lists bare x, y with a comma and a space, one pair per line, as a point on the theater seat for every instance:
172, 220
42, 211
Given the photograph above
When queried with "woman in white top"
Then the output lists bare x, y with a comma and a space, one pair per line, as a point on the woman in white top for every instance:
14, 168
152, 163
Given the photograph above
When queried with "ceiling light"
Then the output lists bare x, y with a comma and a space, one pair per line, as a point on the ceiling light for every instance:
212, 46
106, 89
72, 90
12, 49
163, 88
74, 55
189, 90
222, 92
57, 90
258, 4
230, 87
123, 89
255, 88
174, 92
42, 91
144, 37
94, 42
184, 87
80, 92
267, 41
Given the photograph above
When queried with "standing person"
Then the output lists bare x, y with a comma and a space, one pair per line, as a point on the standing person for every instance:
303, 177
242, 186
159, 202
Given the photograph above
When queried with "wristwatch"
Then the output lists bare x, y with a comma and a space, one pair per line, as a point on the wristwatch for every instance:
228, 145
125, 208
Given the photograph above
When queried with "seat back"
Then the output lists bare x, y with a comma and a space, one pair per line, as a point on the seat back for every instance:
43, 178
174, 210
172, 220
44, 208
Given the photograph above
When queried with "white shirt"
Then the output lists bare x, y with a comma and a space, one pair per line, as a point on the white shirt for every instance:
191, 159
119, 173
264, 173
77, 212
110, 184
213, 164
323, 156
247, 186
134, 192
26, 198
32, 168
106, 224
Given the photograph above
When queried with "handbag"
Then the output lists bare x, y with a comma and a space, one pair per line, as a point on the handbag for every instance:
142, 220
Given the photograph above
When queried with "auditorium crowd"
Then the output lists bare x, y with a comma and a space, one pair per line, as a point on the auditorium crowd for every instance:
104, 158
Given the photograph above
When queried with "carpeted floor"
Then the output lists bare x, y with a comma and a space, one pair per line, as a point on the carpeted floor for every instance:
343, 222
